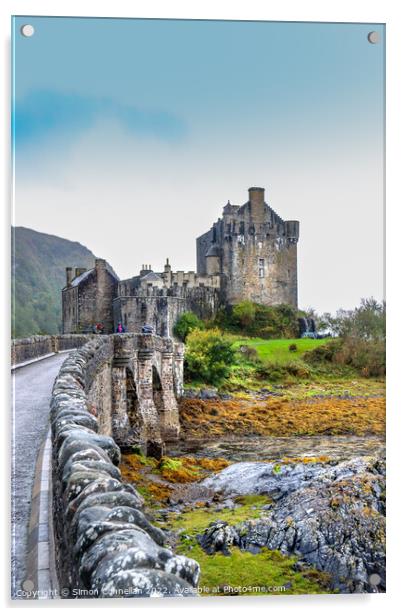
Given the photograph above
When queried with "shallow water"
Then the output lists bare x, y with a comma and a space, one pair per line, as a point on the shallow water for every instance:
240, 449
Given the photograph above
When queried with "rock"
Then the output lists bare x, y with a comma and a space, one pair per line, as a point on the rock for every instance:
89, 465
108, 500
278, 480
79, 481
92, 453
99, 485
226, 504
78, 440
77, 418
332, 517
143, 583
128, 550
219, 537
120, 514
208, 394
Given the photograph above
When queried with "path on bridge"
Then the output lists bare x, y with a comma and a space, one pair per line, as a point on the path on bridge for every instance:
32, 386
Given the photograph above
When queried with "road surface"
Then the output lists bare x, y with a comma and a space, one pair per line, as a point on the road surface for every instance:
31, 389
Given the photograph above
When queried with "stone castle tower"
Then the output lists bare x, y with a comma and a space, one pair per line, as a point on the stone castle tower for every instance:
254, 252
249, 253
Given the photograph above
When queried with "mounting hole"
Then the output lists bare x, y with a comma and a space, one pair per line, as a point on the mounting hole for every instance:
374, 579
27, 30
373, 37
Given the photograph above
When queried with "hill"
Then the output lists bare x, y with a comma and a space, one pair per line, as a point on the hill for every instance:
38, 267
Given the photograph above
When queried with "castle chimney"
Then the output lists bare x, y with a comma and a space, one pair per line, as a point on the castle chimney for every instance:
257, 206
146, 269
69, 276
100, 264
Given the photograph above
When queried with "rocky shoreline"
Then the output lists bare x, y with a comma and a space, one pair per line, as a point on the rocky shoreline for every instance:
331, 516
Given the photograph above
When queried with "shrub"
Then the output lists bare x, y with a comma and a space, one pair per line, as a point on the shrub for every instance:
323, 353
254, 319
293, 347
282, 371
208, 357
365, 356
244, 314
186, 323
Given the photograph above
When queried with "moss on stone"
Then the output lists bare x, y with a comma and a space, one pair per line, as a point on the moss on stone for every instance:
243, 573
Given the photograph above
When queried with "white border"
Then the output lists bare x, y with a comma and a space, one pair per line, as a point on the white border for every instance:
287, 10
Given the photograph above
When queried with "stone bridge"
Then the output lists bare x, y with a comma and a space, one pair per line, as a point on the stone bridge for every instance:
115, 391
146, 378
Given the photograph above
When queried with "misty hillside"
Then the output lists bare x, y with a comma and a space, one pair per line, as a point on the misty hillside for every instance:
38, 264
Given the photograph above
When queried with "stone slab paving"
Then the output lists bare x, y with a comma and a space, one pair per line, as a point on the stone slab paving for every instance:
31, 389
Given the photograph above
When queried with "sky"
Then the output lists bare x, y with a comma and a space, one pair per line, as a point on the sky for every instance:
129, 136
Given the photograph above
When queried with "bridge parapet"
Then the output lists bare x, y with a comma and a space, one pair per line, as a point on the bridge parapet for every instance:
105, 545
34, 347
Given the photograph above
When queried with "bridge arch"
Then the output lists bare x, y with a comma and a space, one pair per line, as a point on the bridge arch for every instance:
132, 402
157, 390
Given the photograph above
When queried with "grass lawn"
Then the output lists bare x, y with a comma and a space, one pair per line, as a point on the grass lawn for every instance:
278, 350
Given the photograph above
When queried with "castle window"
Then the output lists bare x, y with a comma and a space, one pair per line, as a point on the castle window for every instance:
261, 268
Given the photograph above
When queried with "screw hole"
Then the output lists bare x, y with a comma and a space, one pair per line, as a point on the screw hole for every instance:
27, 30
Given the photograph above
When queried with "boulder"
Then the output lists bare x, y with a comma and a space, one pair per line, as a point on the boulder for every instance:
331, 517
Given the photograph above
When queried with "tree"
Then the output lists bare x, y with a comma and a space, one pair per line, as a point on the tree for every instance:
186, 323
244, 313
209, 356
366, 322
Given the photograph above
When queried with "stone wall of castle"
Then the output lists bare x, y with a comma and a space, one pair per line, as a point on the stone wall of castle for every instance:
261, 269
89, 301
255, 252
161, 308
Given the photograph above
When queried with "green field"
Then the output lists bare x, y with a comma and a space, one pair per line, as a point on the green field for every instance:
278, 350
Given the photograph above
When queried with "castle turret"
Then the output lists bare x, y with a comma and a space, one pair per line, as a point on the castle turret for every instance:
292, 230
213, 260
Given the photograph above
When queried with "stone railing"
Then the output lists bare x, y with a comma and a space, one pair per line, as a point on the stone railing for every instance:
26, 349
105, 545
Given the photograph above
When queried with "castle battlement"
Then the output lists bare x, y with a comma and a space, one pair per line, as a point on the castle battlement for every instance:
169, 282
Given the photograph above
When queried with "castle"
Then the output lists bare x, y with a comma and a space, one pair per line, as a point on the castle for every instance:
249, 253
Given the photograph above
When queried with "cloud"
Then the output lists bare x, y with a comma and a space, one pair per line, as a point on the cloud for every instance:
47, 113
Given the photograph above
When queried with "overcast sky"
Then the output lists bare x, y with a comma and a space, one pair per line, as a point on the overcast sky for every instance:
131, 135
